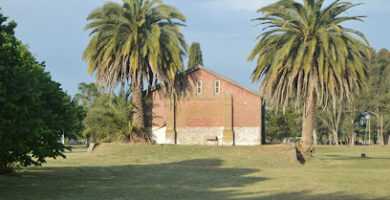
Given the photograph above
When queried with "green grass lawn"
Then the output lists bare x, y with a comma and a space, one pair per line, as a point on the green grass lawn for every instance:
197, 172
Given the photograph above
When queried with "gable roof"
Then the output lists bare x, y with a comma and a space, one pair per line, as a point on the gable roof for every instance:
200, 67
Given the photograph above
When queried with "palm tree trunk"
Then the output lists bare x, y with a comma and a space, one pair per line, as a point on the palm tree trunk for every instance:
138, 106
308, 123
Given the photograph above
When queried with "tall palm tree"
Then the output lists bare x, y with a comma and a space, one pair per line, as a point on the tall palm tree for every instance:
136, 43
305, 54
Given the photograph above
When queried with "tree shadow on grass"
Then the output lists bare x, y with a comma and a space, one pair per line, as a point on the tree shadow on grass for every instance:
357, 157
191, 179
304, 195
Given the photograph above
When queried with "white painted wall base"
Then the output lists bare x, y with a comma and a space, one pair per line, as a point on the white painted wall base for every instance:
247, 136
198, 135
243, 136
158, 134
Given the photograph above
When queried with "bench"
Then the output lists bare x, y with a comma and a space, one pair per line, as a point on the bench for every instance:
212, 139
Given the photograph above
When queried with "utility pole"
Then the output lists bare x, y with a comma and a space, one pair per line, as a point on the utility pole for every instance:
367, 116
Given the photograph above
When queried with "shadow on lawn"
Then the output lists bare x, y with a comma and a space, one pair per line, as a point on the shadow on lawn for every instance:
191, 179
357, 157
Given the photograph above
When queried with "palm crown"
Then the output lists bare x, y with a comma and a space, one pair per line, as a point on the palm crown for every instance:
140, 38
305, 45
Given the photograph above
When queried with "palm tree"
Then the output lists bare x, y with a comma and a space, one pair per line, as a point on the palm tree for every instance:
305, 54
109, 118
134, 44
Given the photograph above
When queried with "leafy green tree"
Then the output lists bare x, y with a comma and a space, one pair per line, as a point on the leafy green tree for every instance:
34, 111
195, 57
332, 117
376, 99
135, 43
281, 125
344, 121
351, 126
87, 95
307, 55
321, 130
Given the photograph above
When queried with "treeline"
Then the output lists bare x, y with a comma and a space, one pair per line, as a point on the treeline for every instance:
344, 123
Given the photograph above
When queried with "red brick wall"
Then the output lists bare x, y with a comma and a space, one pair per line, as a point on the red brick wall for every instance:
206, 110
156, 111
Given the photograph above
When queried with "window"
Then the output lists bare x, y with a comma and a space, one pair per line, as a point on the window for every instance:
198, 87
217, 87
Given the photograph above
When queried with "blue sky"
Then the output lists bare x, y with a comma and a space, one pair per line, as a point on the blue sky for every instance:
54, 31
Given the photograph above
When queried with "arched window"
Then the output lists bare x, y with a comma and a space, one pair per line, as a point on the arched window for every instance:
217, 87
198, 87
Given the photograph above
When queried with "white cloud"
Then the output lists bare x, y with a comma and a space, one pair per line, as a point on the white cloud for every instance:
239, 5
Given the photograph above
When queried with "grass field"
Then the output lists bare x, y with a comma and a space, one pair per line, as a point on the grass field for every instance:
196, 172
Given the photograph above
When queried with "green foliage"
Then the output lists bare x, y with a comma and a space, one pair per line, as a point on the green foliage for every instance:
34, 111
281, 125
345, 120
376, 99
87, 95
73, 117
109, 118
305, 46
195, 57
139, 38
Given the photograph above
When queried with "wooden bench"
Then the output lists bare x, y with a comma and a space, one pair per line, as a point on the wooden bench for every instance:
212, 139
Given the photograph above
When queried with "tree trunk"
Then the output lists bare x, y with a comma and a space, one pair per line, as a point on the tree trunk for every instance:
388, 140
353, 138
369, 132
320, 138
336, 138
138, 108
378, 134
382, 138
315, 137
308, 122
330, 138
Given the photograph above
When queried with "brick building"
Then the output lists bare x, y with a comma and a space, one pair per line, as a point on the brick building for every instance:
208, 105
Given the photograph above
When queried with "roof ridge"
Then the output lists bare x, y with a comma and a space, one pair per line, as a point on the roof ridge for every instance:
228, 80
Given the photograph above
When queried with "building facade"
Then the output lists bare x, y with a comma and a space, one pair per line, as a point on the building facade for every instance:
208, 109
